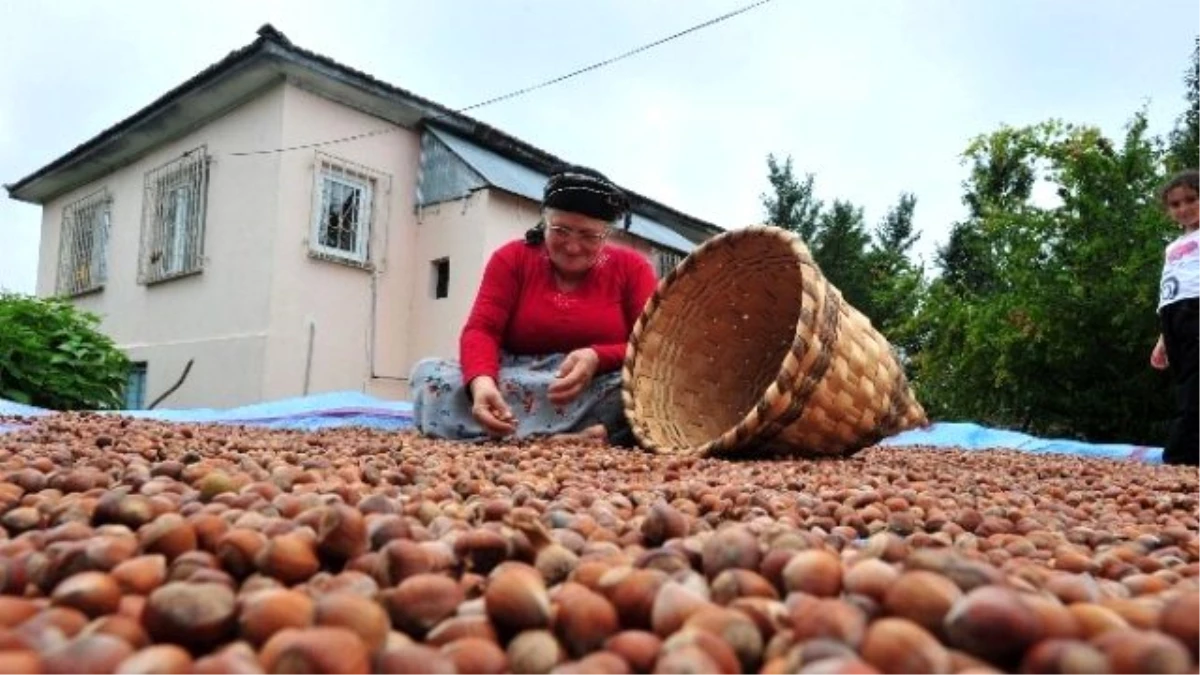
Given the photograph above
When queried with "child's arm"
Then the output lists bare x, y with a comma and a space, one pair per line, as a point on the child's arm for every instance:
1158, 357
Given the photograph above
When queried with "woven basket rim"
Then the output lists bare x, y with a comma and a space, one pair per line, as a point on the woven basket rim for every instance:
750, 421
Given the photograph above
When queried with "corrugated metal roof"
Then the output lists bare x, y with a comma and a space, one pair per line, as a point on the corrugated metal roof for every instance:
510, 176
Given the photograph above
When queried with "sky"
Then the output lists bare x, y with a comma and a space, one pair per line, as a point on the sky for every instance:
874, 97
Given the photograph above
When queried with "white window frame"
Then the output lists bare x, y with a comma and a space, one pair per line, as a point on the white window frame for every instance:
83, 271
173, 218
330, 173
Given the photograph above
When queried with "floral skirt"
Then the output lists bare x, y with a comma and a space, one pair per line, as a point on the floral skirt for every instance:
442, 406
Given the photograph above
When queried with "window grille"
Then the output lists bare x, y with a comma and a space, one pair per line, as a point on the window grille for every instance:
343, 201
83, 244
176, 198
665, 261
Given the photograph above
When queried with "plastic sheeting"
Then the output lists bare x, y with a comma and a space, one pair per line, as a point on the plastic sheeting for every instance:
969, 436
351, 408
337, 409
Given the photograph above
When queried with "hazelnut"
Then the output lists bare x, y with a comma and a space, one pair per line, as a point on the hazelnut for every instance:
360, 614
414, 658
163, 658
922, 596
93, 593
324, 649
902, 646
535, 651
266, 612
813, 571
193, 615
639, 648
516, 599
420, 602
992, 622
476, 655
583, 619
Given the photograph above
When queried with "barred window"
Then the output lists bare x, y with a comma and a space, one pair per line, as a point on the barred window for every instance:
176, 196
342, 210
665, 261
83, 244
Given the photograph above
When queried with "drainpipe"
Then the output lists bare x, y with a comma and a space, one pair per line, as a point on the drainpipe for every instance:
312, 332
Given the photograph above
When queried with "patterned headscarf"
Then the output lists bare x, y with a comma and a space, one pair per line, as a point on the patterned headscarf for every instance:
581, 190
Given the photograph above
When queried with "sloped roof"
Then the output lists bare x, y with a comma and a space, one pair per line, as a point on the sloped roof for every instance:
268, 60
518, 179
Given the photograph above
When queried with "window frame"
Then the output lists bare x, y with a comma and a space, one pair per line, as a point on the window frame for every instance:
97, 205
338, 172
171, 249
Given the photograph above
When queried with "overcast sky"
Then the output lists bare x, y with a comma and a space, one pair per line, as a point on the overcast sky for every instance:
875, 97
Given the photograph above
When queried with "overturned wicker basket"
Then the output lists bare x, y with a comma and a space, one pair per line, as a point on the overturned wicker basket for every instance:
746, 347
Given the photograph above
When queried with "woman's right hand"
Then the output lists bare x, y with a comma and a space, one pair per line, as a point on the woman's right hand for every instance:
489, 408
1158, 357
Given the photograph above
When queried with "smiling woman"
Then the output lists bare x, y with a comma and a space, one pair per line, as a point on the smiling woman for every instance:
540, 352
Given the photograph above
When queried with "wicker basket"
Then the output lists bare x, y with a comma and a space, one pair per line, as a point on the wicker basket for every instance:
746, 348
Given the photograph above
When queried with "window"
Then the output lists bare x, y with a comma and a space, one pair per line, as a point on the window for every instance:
342, 208
83, 246
665, 261
439, 277
173, 218
135, 387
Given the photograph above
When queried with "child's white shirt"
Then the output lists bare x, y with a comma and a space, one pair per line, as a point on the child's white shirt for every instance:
1181, 270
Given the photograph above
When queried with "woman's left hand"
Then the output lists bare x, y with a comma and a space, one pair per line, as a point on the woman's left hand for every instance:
574, 375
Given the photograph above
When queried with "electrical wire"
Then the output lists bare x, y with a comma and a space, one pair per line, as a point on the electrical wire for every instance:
524, 90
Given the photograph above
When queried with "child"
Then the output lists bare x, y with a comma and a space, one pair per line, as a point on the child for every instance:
1177, 310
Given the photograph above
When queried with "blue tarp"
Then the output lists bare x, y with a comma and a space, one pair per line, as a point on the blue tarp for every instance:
352, 408
975, 437
336, 409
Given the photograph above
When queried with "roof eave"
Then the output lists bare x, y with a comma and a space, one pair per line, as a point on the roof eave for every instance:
244, 73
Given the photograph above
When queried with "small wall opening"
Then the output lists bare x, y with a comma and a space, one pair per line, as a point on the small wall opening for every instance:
439, 278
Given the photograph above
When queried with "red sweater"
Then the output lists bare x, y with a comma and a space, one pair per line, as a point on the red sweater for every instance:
520, 310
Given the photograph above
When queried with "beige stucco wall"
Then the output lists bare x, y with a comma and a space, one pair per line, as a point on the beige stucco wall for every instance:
262, 302
335, 299
217, 317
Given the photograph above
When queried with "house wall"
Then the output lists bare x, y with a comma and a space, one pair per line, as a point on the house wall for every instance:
356, 318
217, 317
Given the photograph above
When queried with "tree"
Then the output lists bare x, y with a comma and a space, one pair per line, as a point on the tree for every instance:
873, 274
1043, 317
52, 355
792, 206
895, 282
841, 252
1185, 138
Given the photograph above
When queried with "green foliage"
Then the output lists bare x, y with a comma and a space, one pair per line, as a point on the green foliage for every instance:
871, 270
792, 206
1185, 138
1043, 317
53, 355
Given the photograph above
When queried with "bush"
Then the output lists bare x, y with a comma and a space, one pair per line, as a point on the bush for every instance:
52, 355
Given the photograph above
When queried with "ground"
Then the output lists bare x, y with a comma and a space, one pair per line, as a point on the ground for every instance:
146, 547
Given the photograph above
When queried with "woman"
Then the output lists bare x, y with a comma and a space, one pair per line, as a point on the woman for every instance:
541, 351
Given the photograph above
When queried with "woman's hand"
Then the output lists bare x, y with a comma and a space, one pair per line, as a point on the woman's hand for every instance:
574, 375
1158, 357
489, 408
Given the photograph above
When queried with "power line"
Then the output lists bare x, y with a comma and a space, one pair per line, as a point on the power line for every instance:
614, 59
525, 90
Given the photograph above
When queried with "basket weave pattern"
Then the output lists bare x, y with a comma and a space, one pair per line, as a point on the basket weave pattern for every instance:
746, 347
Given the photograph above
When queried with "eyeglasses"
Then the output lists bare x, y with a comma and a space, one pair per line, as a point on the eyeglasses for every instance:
591, 238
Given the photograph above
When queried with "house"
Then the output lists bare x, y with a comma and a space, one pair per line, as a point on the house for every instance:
218, 226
